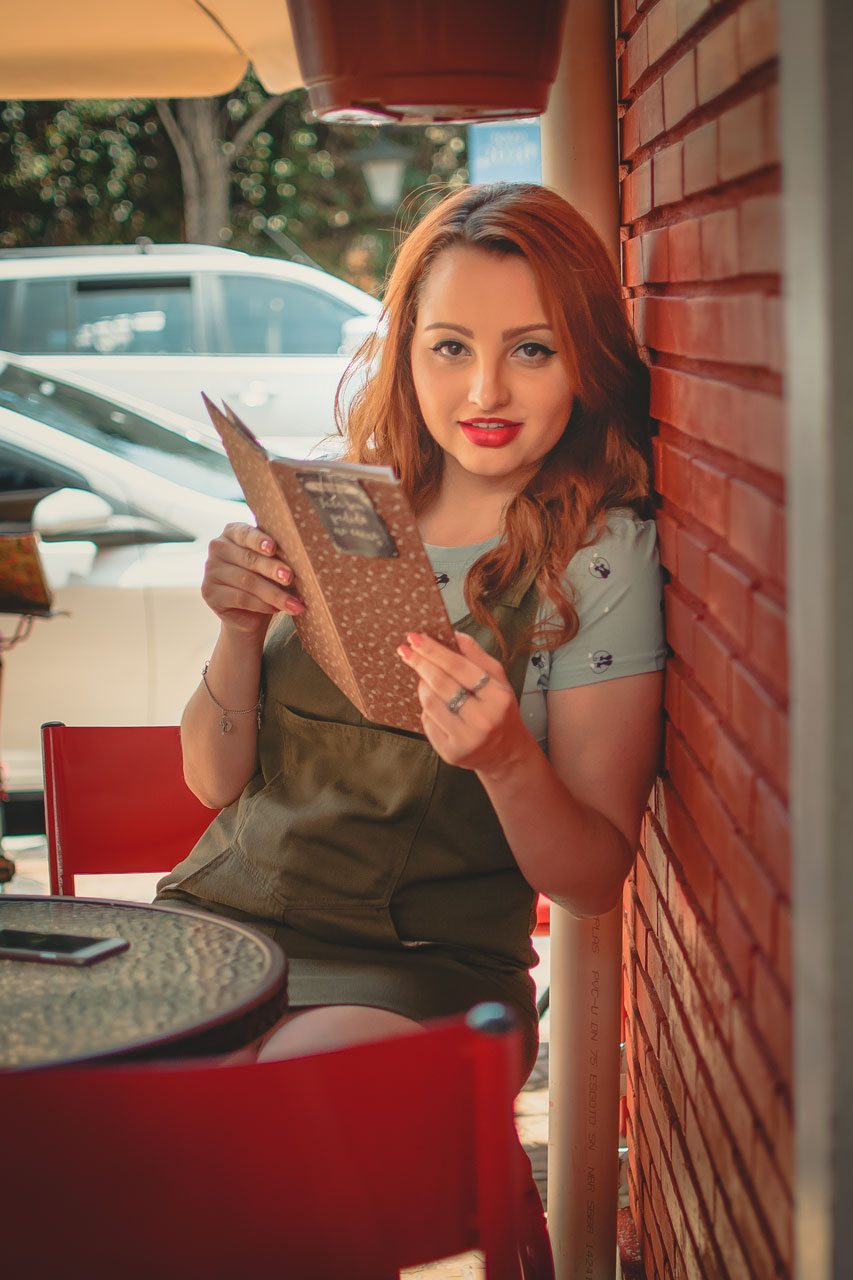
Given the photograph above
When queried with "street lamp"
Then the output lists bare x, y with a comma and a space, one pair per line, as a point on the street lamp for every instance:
384, 167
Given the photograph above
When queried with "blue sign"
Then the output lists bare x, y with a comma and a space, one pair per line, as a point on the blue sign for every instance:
505, 151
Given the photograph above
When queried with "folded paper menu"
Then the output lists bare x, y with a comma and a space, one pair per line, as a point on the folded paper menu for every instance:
359, 565
23, 586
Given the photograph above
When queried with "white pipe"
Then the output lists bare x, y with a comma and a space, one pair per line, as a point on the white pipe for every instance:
580, 160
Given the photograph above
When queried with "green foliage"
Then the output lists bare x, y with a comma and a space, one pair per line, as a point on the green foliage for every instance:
105, 172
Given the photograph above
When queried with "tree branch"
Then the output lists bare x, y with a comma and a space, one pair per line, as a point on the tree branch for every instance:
250, 127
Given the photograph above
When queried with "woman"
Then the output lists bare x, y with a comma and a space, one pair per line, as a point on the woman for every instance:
399, 873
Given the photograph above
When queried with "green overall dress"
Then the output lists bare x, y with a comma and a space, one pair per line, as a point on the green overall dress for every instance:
382, 871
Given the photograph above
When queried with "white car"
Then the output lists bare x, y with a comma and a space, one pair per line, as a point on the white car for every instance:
166, 322
126, 504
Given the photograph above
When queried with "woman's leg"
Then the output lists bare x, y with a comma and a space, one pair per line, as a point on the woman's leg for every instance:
331, 1027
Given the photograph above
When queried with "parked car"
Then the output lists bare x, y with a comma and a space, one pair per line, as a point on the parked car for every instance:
166, 322
126, 503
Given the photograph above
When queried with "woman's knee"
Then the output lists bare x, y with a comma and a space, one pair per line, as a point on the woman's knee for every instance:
333, 1027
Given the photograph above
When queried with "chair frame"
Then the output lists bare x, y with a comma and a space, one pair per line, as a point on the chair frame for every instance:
356, 1162
99, 819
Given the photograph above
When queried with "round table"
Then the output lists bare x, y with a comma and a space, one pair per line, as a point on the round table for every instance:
190, 983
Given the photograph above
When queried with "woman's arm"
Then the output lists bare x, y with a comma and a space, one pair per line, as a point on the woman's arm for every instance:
572, 820
245, 586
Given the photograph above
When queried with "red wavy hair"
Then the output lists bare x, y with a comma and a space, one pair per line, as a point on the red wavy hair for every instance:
601, 461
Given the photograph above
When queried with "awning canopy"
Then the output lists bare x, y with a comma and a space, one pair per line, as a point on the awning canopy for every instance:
153, 49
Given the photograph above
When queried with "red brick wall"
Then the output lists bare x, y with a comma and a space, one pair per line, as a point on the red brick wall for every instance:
707, 913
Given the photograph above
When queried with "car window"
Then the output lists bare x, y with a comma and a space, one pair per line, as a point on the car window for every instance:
107, 424
38, 324
273, 317
133, 316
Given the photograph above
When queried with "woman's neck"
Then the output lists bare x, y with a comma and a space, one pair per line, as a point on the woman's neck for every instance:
464, 513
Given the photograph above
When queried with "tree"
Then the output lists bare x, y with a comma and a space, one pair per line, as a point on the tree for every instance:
256, 173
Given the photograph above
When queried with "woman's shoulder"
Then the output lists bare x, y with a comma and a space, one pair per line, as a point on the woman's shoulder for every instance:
624, 544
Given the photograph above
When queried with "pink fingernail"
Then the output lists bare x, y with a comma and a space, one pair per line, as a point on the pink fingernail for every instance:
293, 606
268, 546
283, 575
414, 639
405, 652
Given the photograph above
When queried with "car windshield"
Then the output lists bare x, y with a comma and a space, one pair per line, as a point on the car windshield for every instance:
109, 425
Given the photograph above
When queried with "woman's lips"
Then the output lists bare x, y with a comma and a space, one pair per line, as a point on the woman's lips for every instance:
490, 433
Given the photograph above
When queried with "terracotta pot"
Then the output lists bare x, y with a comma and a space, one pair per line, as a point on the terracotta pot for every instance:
421, 60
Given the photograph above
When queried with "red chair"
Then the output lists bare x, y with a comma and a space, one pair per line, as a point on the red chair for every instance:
115, 801
355, 1162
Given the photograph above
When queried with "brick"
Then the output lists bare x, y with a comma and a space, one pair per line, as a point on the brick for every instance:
772, 1009
753, 1064
682, 833
692, 549
701, 407
685, 251
662, 28
710, 494
680, 624
672, 1077
771, 834
674, 474
657, 854
719, 245
742, 138
714, 1130
673, 953
683, 1046
699, 1156
634, 60
651, 1011
698, 721
701, 165
734, 937
783, 1138
761, 235
688, 13
693, 1208
771, 144
758, 33
729, 598
711, 666
660, 1210
769, 647
649, 107
658, 975
630, 132
782, 951
667, 545
734, 777
715, 978
627, 9
656, 255
667, 175
679, 90
632, 261
765, 430
774, 323
637, 192
774, 1200
751, 1230
757, 529
658, 1107
730, 1247
646, 890
717, 61
751, 887
758, 719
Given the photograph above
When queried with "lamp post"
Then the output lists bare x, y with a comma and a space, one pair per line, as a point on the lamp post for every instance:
383, 164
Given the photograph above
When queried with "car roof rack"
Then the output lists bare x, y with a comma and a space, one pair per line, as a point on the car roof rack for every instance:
142, 245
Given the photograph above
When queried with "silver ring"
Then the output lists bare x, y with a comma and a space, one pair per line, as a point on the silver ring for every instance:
484, 679
459, 698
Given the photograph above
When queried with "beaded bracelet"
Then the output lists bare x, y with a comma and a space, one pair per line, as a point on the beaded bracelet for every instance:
225, 725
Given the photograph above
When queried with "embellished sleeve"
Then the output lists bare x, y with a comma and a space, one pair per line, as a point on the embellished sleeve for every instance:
618, 597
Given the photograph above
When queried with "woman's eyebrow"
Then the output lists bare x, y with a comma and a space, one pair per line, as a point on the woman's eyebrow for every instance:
507, 333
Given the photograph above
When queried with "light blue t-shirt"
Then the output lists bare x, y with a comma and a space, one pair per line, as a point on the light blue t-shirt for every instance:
618, 598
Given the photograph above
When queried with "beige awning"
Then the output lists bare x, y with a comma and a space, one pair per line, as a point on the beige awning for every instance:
146, 49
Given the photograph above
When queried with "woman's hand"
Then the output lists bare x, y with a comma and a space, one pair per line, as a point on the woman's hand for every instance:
245, 583
468, 709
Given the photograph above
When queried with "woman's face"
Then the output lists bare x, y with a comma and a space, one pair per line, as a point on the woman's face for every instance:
492, 386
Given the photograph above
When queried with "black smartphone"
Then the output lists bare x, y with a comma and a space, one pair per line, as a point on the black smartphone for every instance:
57, 948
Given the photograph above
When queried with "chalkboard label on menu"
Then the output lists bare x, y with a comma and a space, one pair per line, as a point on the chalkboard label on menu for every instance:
348, 514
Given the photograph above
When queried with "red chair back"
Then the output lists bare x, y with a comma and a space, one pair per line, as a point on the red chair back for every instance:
115, 801
355, 1162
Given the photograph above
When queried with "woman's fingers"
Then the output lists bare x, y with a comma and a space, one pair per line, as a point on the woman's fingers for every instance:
243, 572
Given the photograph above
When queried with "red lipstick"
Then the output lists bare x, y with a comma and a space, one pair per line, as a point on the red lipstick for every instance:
490, 433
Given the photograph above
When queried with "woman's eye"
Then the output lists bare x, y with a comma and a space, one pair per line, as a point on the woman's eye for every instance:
535, 351
449, 347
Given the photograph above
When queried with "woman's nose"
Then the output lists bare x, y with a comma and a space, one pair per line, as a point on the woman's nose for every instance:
488, 388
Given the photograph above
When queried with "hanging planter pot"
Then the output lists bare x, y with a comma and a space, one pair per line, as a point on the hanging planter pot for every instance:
415, 61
